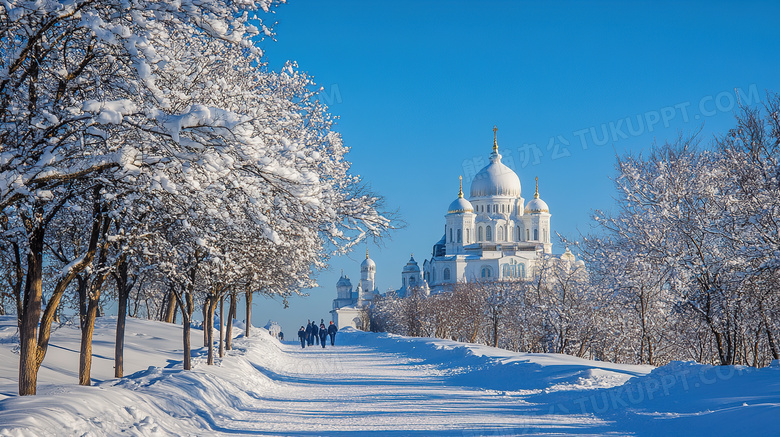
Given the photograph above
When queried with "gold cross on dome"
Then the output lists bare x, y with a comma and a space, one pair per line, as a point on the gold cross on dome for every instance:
495, 138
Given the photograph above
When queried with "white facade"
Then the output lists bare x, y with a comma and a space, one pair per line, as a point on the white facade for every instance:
492, 235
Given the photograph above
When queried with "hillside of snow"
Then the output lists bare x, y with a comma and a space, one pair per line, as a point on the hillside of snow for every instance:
368, 382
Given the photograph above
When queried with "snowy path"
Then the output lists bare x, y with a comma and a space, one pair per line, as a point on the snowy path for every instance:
354, 389
373, 383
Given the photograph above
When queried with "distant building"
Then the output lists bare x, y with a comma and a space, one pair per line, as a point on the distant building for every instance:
348, 305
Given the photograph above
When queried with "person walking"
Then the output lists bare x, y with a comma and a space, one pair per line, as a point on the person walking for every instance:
308, 333
281, 336
302, 337
332, 329
323, 334
315, 333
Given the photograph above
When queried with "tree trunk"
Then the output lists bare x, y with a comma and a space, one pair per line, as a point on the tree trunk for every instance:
248, 311
121, 318
205, 333
85, 355
211, 306
28, 346
170, 309
221, 326
231, 316
93, 308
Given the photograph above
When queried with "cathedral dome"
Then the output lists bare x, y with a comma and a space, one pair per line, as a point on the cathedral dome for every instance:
368, 262
411, 266
344, 282
460, 205
495, 179
537, 205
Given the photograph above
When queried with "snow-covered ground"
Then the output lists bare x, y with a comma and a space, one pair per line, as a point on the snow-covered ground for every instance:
380, 383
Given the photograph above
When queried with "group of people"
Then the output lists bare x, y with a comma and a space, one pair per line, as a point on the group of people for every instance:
312, 334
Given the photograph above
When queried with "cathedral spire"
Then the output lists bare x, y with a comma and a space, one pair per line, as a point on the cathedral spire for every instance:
366, 252
495, 139
460, 192
536, 194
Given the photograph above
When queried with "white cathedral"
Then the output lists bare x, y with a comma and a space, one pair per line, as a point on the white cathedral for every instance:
495, 235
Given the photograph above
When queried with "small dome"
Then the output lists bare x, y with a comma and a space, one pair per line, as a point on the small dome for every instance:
536, 206
460, 205
344, 282
368, 262
411, 266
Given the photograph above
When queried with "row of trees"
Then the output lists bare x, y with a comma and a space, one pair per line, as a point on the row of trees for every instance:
685, 267
144, 145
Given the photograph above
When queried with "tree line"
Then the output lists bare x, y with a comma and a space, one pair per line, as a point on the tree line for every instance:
147, 155
684, 267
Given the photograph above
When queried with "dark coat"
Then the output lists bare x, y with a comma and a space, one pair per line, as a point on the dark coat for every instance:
308, 329
332, 329
314, 328
302, 333
323, 332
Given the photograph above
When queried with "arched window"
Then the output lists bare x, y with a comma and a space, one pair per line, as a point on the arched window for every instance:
544, 234
489, 233
479, 233
446, 274
451, 240
460, 236
500, 234
513, 270
486, 273
502, 207
412, 281
536, 234
404, 282
527, 236
468, 235
517, 233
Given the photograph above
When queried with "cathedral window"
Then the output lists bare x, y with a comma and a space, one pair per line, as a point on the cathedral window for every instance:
517, 233
527, 236
536, 234
446, 274
460, 236
486, 273
404, 282
412, 282
544, 234
500, 233
479, 233
468, 235
451, 240
489, 233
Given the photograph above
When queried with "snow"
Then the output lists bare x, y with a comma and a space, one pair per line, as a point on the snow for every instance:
370, 382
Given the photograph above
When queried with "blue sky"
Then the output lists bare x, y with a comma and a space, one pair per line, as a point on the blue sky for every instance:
419, 85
